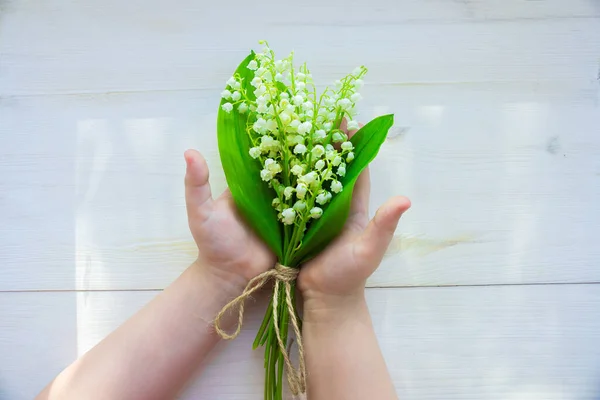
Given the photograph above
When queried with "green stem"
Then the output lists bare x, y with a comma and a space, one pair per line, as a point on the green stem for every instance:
266, 335
263, 328
272, 363
283, 328
286, 242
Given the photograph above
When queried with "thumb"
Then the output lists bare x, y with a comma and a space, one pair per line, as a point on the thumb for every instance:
198, 198
376, 237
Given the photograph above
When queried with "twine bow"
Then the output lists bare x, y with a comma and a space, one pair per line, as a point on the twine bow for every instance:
282, 275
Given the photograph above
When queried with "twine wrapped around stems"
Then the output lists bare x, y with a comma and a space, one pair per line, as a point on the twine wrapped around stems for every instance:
282, 275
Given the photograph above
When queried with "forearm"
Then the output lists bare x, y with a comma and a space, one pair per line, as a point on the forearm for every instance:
154, 353
342, 354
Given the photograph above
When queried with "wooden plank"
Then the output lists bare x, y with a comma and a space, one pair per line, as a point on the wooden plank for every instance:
493, 343
75, 47
504, 182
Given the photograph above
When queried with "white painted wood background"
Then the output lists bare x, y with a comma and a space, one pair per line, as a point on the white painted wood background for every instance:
491, 288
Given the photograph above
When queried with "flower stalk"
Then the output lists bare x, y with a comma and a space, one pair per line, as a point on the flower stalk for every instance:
303, 154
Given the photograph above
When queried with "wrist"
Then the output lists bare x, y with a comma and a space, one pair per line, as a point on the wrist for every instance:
225, 284
320, 308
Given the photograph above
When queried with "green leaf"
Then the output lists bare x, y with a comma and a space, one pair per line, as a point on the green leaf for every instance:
251, 195
367, 142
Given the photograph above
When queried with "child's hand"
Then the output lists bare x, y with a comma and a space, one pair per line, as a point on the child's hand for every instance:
228, 248
342, 269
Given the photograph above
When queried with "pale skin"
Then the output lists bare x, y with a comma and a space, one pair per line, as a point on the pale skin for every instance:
153, 354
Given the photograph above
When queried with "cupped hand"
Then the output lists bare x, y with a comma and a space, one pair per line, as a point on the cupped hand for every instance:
227, 247
342, 269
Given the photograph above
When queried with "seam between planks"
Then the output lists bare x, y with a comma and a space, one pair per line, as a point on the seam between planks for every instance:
368, 287
125, 92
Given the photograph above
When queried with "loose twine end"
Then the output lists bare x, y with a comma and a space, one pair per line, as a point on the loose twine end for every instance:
282, 275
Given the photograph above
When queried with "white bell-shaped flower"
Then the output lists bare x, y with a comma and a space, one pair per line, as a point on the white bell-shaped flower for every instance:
316, 212
336, 186
255, 152
288, 192
299, 206
300, 149
347, 146
301, 190
288, 215
227, 107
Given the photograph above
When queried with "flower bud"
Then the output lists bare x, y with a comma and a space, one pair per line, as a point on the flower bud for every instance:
301, 190
337, 137
288, 192
288, 215
266, 175
304, 127
336, 186
271, 125
285, 118
252, 65
355, 97
344, 104
300, 149
353, 125
255, 152
256, 82
316, 212
297, 100
300, 206
319, 135
347, 146
297, 170
308, 179
227, 107
323, 197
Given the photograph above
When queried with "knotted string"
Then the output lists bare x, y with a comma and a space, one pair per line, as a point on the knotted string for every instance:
283, 276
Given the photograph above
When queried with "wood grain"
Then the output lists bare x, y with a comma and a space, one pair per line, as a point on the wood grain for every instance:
497, 343
504, 183
74, 47
496, 142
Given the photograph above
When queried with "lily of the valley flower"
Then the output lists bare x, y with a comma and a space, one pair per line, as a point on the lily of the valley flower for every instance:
293, 131
316, 212
288, 215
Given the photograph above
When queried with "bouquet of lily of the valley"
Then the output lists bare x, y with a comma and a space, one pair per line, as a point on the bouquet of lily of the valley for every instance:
291, 171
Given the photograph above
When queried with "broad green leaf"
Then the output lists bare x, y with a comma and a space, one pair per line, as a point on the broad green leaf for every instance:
367, 142
251, 195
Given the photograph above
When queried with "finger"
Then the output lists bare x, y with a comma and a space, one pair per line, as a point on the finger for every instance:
198, 198
359, 207
344, 125
377, 236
